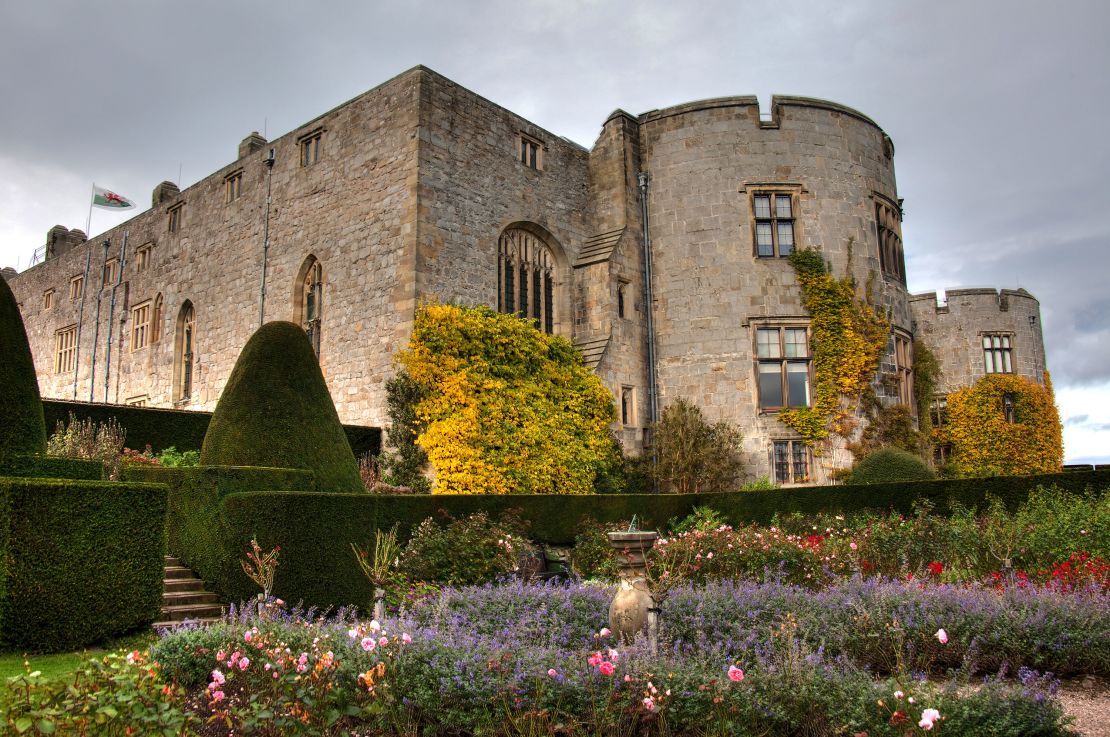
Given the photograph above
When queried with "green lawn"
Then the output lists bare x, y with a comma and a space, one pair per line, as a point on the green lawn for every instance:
61, 665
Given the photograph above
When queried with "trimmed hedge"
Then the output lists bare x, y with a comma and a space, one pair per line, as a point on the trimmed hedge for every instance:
183, 429
22, 428
314, 530
275, 410
53, 467
80, 561
890, 465
195, 532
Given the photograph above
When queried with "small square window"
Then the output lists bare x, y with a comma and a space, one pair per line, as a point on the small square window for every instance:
996, 354
233, 186
531, 152
48, 299
791, 461
175, 217
111, 271
310, 148
774, 224
140, 401
76, 287
143, 257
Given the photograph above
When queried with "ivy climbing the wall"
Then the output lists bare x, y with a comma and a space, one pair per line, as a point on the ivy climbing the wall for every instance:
849, 337
1003, 425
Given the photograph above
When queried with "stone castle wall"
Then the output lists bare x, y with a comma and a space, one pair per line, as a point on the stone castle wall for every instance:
954, 331
415, 183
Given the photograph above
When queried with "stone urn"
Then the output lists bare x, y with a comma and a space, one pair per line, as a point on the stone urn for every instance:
629, 611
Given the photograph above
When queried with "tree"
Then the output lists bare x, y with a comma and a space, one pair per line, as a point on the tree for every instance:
693, 456
504, 408
276, 410
22, 427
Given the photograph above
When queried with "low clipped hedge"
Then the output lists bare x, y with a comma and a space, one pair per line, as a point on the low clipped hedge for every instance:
315, 530
53, 467
161, 428
80, 561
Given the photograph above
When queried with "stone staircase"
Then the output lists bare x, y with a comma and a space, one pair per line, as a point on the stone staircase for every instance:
184, 598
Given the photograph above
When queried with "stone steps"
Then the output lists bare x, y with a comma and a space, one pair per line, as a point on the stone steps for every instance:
184, 598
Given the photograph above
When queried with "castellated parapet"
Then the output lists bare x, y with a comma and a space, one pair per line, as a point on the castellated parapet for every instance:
955, 327
421, 190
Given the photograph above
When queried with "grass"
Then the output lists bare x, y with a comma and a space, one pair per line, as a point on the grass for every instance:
61, 665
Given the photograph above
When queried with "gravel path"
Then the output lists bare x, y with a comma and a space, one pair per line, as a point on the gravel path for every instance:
1087, 700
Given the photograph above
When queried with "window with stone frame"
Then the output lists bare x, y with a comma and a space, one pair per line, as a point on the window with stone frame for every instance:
140, 325
628, 406
783, 366
903, 366
531, 151
233, 186
526, 278
65, 349
997, 358
311, 300
310, 144
1009, 413
892, 258
938, 411
622, 299
111, 271
175, 217
774, 217
791, 461
48, 299
76, 287
144, 257
184, 353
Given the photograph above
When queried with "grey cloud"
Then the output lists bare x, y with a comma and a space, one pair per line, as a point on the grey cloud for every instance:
1076, 420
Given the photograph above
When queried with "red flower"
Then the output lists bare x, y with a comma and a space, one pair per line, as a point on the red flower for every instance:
936, 568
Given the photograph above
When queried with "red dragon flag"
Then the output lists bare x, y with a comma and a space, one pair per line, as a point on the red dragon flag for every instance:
108, 199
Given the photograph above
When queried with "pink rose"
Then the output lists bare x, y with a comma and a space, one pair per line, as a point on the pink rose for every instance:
217, 678
244, 663
605, 632
405, 639
368, 644
594, 659
247, 636
649, 703
217, 695
942, 636
551, 672
735, 674
606, 668
927, 718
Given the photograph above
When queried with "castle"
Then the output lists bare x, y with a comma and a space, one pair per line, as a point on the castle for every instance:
421, 190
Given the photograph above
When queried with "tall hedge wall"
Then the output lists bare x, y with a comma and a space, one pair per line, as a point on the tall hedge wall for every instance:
52, 467
80, 561
183, 429
211, 525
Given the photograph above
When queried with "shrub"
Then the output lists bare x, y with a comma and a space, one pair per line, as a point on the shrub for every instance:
22, 428
172, 458
95, 441
404, 462
276, 411
504, 408
890, 465
85, 560
472, 549
691, 455
987, 442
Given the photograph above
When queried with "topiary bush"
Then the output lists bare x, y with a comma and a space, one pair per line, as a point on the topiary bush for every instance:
22, 427
890, 465
276, 411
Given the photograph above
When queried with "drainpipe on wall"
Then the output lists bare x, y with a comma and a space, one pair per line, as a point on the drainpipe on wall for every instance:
80, 321
649, 309
96, 325
269, 162
111, 311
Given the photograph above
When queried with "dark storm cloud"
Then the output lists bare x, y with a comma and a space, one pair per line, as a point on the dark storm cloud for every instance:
997, 109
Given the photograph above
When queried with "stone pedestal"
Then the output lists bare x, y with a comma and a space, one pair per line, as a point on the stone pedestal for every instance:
628, 613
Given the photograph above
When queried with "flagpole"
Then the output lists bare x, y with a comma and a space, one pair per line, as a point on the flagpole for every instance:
88, 220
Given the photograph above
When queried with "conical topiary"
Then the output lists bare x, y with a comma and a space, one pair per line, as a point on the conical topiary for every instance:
276, 411
22, 427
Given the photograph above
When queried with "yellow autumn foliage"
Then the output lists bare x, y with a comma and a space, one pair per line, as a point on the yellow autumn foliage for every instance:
507, 409
985, 443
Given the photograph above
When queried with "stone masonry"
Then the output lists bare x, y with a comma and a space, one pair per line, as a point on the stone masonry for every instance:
402, 196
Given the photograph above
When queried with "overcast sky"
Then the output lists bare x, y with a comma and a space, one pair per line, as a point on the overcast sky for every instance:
999, 113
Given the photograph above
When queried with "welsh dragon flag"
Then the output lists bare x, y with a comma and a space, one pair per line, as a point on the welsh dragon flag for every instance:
108, 199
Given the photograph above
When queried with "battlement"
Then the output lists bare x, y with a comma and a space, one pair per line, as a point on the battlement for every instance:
769, 119
976, 298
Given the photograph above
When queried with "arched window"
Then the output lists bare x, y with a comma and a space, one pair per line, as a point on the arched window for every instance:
184, 352
526, 278
156, 319
309, 300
